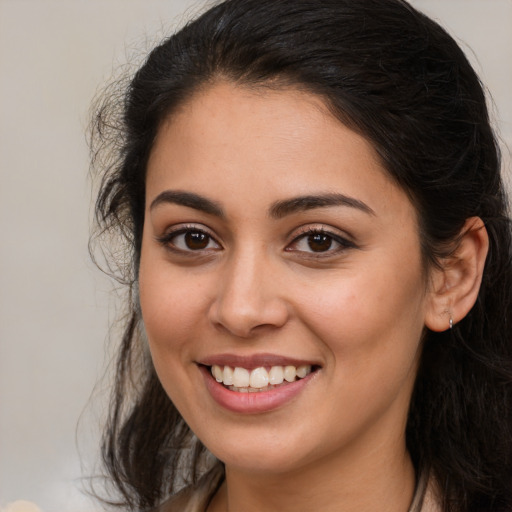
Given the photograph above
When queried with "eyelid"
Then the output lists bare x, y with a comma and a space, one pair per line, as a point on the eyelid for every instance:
327, 229
179, 229
344, 239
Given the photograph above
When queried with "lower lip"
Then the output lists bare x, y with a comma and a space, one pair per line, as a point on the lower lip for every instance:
253, 403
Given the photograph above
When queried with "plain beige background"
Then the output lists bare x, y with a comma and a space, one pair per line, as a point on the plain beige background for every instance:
53, 302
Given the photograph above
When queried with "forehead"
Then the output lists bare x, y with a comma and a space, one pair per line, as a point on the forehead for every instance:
266, 144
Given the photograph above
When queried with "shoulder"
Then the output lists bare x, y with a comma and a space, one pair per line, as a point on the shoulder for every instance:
195, 498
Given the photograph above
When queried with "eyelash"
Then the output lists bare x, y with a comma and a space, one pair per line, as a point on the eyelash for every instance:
168, 241
343, 243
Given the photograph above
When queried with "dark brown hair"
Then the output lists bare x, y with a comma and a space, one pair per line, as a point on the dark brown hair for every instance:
395, 76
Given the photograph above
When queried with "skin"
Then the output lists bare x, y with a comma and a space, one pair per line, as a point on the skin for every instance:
357, 310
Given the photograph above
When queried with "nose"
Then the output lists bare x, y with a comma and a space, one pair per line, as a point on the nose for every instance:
249, 299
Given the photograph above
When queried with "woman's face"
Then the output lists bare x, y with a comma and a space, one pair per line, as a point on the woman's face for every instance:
275, 241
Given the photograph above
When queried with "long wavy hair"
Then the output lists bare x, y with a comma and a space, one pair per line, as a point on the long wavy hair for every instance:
393, 75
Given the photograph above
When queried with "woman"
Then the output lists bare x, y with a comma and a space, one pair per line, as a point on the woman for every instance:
319, 267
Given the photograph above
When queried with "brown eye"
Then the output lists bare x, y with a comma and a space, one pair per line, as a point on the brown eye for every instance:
196, 240
319, 242
189, 240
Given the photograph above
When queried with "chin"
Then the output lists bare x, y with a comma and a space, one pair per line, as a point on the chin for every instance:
253, 451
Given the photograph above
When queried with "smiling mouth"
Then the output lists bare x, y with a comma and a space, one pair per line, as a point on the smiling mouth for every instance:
259, 379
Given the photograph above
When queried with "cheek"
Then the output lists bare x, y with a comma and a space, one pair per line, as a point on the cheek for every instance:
372, 334
169, 311
169, 314
370, 322
171, 301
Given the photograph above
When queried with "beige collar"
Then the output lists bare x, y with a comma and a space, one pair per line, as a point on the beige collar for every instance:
426, 497
197, 498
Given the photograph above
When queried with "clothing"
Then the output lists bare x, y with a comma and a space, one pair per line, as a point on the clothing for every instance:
196, 499
426, 498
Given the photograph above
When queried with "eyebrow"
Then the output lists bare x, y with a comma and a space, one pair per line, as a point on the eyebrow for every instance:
190, 200
278, 210
286, 207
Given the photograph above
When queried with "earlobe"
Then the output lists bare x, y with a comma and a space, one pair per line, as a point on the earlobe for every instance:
454, 286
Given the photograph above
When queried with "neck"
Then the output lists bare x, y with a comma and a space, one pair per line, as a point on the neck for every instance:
383, 479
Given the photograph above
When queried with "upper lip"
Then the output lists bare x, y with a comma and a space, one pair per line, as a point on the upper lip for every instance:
253, 361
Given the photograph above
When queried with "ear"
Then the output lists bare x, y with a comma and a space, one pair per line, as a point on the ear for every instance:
454, 287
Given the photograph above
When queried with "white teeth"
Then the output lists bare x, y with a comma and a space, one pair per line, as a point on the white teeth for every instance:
217, 373
228, 376
290, 373
259, 379
276, 375
241, 377
303, 370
